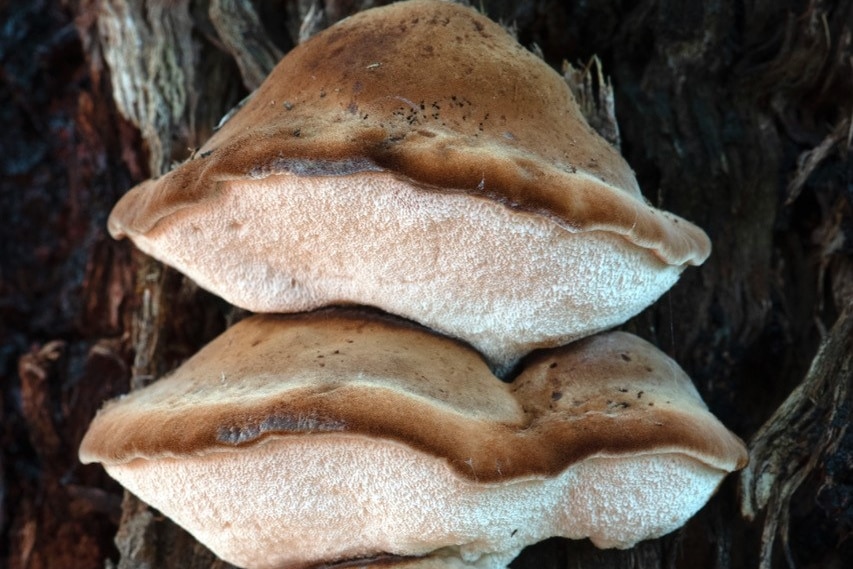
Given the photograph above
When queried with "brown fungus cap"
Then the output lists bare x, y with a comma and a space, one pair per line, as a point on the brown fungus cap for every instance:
416, 158
293, 441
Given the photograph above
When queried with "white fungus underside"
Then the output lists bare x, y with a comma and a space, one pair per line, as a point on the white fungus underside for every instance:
503, 280
293, 501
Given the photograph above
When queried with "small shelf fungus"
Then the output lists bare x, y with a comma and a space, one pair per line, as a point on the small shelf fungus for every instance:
417, 159
341, 435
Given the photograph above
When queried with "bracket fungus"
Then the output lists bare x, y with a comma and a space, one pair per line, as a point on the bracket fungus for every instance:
288, 441
417, 159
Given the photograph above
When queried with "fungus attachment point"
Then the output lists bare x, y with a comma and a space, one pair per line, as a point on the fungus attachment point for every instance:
465, 192
312, 437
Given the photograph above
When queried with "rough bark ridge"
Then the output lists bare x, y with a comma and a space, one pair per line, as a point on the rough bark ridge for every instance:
735, 115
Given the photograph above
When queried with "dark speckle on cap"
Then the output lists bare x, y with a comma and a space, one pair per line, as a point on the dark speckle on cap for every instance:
237, 435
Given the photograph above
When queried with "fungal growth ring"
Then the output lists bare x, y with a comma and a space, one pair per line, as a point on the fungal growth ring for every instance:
415, 164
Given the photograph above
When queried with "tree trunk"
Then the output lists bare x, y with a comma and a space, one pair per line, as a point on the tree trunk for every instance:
734, 115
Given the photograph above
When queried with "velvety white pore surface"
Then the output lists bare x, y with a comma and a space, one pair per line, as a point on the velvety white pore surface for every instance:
299, 500
503, 280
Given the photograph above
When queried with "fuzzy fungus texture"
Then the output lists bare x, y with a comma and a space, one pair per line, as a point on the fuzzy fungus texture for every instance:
289, 442
417, 159
381, 497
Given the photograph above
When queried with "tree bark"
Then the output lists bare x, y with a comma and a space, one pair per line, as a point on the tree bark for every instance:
734, 115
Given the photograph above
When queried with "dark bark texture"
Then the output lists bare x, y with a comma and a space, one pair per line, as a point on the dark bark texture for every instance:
735, 114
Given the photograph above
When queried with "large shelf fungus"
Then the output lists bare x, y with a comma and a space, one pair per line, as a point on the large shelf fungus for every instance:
289, 441
417, 159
